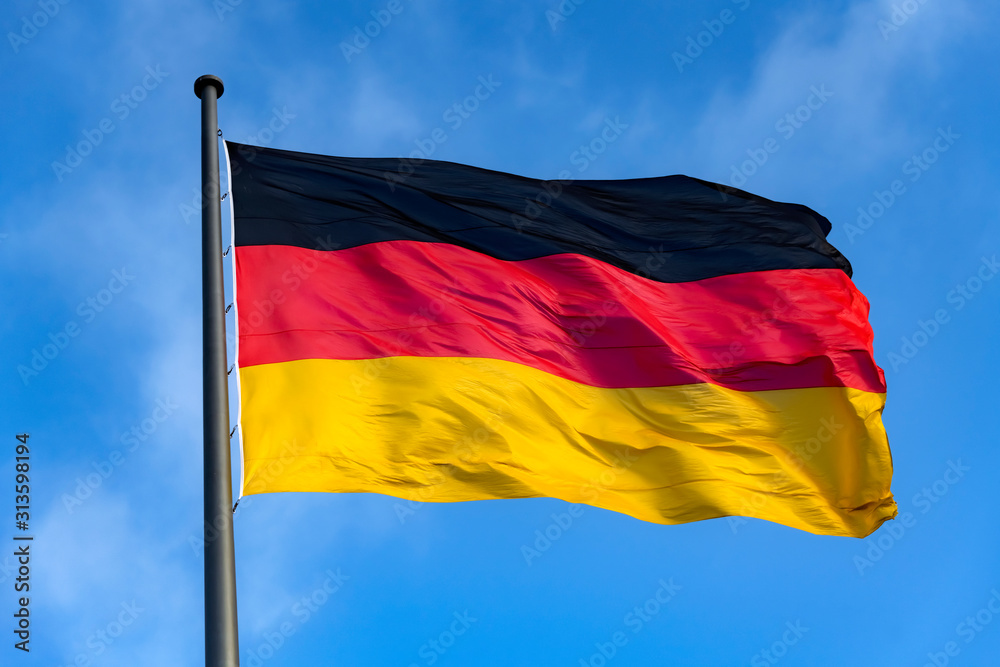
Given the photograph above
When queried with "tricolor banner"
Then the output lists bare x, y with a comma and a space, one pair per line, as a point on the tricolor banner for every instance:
665, 347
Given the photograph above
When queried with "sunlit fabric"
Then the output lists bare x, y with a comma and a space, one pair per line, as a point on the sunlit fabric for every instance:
666, 348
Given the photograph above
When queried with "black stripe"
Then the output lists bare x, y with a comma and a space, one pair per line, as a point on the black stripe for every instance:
670, 229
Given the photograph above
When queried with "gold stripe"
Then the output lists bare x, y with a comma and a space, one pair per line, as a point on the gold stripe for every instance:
453, 429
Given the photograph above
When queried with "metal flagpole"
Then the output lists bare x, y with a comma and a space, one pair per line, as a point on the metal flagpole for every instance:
221, 634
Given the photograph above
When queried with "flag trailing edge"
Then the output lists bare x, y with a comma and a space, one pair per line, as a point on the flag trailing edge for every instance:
666, 348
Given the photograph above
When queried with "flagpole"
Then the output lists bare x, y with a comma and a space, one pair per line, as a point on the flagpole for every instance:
221, 634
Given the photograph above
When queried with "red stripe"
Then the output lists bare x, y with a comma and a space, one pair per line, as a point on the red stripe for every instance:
569, 315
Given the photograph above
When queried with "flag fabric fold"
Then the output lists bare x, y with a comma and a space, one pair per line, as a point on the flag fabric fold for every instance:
667, 348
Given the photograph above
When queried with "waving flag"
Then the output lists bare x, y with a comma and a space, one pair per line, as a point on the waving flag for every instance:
666, 348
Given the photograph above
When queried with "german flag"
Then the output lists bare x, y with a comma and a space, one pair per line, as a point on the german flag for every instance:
667, 348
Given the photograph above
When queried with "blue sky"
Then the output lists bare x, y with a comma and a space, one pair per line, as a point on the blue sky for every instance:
893, 109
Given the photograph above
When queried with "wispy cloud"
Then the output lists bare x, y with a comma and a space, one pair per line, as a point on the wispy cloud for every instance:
862, 125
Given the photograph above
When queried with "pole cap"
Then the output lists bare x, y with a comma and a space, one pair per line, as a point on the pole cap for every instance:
208, 80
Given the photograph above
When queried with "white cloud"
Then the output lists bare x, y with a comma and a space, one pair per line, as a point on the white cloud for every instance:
103, 555
862, 123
